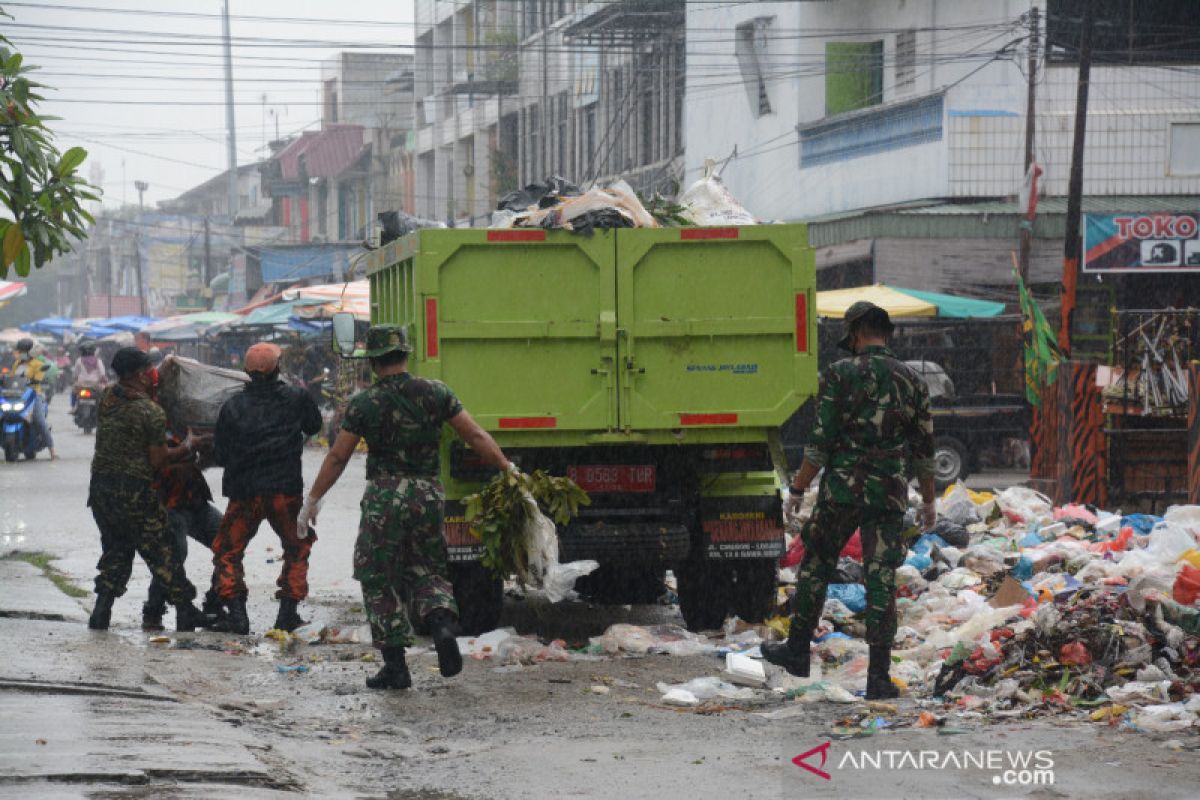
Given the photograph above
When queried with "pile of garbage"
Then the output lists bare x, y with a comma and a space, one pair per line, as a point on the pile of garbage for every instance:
556, 203
1012, 605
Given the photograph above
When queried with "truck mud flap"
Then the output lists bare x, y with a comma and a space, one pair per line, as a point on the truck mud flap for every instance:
461, 545
742, 527
627, 542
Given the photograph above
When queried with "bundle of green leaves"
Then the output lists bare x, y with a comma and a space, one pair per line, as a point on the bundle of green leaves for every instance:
499, 516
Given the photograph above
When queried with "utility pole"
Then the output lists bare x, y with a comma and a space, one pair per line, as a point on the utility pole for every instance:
1075, 186
207, 254
1030, 134
229, 118
141, 187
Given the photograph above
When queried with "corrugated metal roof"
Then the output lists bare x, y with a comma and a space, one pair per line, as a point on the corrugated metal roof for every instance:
326, 153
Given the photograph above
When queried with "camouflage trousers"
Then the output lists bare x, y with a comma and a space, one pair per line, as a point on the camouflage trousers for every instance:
200, 524
827, 533
242, 518
131, 518
400, 556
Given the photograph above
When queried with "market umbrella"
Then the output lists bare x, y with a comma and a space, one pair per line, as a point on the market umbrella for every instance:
327, 299
12, 335
130, 322
836, 302
55, 326
10, 290
949, 305
187, 326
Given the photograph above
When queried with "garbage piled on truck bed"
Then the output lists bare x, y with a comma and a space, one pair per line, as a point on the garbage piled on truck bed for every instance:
556, 203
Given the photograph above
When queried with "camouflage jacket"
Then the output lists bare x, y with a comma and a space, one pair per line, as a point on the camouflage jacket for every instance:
873, 426
128, 424
401, 418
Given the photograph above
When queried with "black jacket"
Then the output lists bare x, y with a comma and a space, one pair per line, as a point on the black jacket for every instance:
260, 437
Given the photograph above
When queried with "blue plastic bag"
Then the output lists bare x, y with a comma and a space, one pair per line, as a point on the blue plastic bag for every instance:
852, 595
1142, 524
927, 542
1031, 540
1023, 571
919, 561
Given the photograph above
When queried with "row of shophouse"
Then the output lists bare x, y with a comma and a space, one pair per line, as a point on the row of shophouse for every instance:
897, 128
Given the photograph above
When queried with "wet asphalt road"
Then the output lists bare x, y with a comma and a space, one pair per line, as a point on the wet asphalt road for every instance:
509, 732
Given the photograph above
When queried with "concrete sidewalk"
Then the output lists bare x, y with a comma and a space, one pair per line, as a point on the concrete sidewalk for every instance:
82, 715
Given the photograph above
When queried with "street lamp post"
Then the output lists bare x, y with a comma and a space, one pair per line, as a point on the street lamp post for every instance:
141, 187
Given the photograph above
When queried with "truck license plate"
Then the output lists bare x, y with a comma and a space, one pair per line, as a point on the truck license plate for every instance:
613, 477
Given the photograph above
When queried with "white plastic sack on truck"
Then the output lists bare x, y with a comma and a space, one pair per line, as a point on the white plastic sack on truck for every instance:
192, 393
709, 202
557, 581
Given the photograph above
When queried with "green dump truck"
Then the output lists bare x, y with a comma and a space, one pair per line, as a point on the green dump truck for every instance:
652, 366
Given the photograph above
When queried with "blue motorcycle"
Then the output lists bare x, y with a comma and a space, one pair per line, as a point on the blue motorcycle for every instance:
17, 401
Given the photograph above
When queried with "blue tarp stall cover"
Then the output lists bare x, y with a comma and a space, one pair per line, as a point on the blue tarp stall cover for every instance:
56, 326
279, 264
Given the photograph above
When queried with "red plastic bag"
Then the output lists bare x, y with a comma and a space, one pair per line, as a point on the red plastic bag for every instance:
1074, 654
795, 553
1187, 585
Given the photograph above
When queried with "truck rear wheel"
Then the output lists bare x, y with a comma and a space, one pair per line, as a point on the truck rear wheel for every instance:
703, 594
480, 597
755, 591
951, 461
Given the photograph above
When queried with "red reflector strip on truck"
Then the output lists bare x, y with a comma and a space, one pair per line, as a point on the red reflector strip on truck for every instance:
516, 236
802, 323
688, 234
431, 330
708, 419
526, 423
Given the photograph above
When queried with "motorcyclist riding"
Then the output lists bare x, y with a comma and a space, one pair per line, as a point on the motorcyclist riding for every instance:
35, 370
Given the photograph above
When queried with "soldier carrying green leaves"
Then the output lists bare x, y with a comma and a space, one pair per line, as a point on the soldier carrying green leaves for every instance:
400, 549
873, 425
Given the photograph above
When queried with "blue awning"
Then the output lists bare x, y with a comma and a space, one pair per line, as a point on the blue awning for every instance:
56, 326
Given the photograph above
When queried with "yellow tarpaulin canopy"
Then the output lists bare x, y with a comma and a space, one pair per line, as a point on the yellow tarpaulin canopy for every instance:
835, 303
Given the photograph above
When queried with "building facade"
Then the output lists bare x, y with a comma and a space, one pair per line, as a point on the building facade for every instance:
510, 92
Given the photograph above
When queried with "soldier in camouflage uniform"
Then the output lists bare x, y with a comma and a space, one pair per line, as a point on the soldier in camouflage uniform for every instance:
873, 425
131, 438
401, 549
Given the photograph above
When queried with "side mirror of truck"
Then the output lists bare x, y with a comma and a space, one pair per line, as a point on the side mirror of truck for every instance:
343, 333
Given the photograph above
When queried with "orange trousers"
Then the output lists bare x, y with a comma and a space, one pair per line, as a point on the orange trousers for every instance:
241, 521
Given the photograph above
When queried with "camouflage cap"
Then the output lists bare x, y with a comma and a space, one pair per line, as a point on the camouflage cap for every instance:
857, 312
383, 339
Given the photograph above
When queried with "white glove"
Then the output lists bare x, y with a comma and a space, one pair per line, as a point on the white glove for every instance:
308, 516
791, 507
927, 517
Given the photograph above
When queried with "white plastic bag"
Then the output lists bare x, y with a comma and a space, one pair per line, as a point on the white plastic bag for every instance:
557, 581
957, 506
1185, 517
709, 202
1027, 504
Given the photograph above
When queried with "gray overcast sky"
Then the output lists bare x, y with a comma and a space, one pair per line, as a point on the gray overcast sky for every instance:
143, 91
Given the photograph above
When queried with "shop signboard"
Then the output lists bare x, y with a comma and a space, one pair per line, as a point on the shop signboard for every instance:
1141, 242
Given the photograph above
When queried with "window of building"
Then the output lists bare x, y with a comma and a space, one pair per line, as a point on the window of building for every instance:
853, 76
1185, 149
906, 60
750, 47
1125, 32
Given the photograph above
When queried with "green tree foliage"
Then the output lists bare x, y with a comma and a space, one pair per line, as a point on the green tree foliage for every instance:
41, 198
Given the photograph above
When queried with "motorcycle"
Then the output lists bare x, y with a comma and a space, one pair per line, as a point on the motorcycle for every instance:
20, 436
87, 399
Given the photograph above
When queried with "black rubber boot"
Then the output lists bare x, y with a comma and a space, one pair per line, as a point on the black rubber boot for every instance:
102, 611
288, 619
394, 674
188, 618
794, 654
213, 605
444, 629
152, 617
236, 620
879, 681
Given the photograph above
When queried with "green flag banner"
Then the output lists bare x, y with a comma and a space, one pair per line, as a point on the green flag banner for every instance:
1042, 355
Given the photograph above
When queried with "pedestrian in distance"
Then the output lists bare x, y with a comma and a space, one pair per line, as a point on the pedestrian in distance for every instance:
873, 421
401, 550
259, 440
131, 446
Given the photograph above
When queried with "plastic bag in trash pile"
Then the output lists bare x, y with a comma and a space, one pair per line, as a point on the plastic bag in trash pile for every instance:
192, 393
709, 202
396, 224
670, 639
